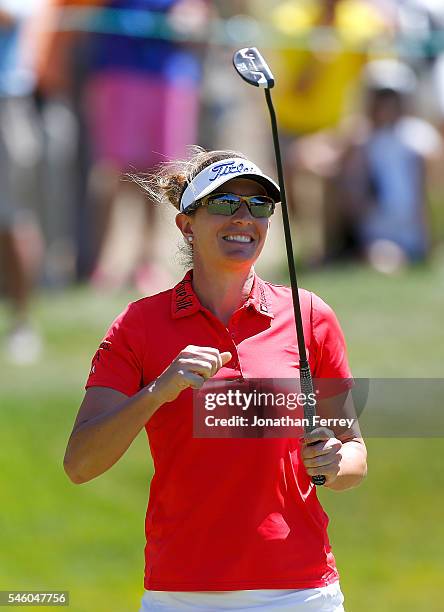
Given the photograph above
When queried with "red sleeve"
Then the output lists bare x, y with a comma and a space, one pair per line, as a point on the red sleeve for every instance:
118, 361
331, 350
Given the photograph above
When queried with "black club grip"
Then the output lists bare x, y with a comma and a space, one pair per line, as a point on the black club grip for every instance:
309, 410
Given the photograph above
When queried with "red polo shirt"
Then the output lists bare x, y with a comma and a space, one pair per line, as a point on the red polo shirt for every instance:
226, 514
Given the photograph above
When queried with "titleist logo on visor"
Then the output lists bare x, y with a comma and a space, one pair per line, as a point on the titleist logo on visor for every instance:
220, 172
230, 167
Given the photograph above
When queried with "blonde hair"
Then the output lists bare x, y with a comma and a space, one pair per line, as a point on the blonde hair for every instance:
167, 182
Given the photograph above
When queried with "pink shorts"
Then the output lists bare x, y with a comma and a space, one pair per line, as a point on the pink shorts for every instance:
136, 120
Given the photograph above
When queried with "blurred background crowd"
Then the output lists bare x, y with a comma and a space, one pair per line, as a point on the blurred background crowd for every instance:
91, 90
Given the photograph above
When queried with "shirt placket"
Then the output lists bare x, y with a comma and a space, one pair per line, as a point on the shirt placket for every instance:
234, 338
228, 335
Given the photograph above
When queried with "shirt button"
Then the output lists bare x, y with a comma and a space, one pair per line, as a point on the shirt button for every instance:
233, 335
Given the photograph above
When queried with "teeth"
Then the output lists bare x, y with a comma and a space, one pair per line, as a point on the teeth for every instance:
238, 238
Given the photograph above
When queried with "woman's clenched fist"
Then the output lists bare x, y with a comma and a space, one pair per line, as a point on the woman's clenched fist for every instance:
191, 368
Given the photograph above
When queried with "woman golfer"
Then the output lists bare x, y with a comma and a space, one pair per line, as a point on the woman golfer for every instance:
231, 524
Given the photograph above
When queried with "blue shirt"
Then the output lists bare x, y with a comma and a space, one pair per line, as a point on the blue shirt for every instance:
16, 76
396, 173
132, 50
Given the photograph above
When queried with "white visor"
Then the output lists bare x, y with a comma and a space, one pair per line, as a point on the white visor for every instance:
220, 172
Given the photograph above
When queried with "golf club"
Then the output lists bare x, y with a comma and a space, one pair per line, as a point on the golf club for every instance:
252, 67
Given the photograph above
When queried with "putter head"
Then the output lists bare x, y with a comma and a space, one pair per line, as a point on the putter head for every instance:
252, 67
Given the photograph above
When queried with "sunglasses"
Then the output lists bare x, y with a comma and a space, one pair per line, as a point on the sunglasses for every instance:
227, 204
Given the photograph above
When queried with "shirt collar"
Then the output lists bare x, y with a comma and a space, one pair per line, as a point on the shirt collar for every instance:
260, 298
184, 301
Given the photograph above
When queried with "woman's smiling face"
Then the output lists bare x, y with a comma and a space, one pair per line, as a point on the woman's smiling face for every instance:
227, 242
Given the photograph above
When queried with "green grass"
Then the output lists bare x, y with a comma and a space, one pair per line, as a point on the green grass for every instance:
386, 535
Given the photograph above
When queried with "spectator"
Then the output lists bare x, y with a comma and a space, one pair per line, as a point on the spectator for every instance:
383, 174
421, 23
324, 45
59, 50
20, 242
141, 105
328, 41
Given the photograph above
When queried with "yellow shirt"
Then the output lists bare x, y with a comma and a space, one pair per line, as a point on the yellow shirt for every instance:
312, 86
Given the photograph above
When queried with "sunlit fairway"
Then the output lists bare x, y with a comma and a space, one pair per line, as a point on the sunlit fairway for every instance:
89, 539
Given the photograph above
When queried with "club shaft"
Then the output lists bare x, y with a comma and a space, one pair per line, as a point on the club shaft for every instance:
287, 233
304, 367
